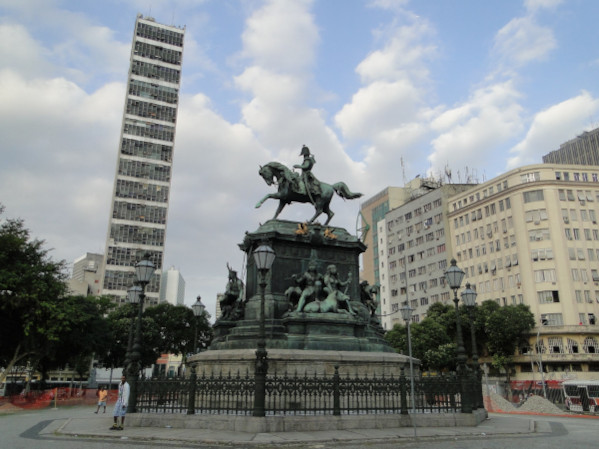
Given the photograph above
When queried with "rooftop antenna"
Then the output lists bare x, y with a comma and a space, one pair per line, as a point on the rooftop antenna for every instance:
448, 174
407, 187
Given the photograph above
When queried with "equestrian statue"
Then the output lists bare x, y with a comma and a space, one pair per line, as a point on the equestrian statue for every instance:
302, 188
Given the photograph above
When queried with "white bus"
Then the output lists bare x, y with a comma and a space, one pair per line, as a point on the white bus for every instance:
581, 395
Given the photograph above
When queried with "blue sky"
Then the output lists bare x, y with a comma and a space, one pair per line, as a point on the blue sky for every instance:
477, 86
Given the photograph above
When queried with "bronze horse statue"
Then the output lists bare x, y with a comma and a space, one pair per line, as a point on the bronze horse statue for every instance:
291, 189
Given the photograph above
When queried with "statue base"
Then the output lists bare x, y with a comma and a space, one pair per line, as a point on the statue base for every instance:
305, 362
333, 331
297, 246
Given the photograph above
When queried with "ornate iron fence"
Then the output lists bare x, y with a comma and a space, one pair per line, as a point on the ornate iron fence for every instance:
300, 394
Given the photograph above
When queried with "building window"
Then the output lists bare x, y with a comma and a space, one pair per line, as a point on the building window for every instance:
552, 319
548, 296
533, 195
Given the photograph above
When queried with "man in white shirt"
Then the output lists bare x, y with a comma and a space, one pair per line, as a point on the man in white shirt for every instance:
120, 408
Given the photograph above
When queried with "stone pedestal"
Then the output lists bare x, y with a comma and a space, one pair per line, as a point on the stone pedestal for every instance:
302, 362
333, 331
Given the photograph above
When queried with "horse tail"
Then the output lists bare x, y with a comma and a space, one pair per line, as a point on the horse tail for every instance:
343, 191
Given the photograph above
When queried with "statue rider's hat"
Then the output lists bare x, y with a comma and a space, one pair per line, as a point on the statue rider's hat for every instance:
305, 151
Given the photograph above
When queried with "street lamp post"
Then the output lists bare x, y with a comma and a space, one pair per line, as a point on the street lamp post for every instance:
133, 298
454, 276
540, 352
264, 257
406, 314
469, 299
144, 270
198, 310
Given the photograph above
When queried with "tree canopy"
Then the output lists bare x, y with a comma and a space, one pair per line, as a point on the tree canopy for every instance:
166, 328
499, 331
39, 322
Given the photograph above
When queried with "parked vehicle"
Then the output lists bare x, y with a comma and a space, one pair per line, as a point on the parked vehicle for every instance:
581, 395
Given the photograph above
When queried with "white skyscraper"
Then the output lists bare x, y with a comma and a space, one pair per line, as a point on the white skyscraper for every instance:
139, 209
172, 287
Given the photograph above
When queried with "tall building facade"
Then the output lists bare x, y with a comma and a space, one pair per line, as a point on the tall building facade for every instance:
172, 287
371, 212
87, 275
139, 207
582, 150
531, 236
414, 251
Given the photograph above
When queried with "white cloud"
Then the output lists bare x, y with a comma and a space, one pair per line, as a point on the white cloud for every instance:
522, 40
58, 157
378, 107
554, 125
535, 5
490, 117
403, 56
20, 52
393, 5
281, 36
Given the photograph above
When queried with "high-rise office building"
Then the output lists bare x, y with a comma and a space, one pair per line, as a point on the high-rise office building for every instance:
139, 209
582, 150
87, 275
172, 287
371, 211
414, 249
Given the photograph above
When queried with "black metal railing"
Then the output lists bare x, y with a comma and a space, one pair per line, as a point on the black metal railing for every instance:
293, 394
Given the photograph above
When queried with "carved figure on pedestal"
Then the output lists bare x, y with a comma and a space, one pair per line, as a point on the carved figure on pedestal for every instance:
335, 300
309, 287
367, 296
232, 305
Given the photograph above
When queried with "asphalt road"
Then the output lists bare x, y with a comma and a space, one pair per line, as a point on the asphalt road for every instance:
36, 429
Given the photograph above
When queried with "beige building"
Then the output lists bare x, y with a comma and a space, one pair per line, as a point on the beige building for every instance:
530, 236
371, 211
413, 250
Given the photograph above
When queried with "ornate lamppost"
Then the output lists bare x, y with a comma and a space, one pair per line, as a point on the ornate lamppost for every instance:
264, 257
454, 277
469, 299
144, 271
198, 310
133, 295
406, 314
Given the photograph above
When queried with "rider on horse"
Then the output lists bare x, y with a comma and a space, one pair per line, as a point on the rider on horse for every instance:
311, 184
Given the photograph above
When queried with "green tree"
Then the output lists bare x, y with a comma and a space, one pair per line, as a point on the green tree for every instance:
499, 331
165, 329
442, 358
173, 330
428, 339
32, 286
507, 328
83, 334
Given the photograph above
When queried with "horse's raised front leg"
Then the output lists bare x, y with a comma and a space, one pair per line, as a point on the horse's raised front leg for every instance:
270, 195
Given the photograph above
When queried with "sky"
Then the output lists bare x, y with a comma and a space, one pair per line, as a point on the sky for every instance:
381, 91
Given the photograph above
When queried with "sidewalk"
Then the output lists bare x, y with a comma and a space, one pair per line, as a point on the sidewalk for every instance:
98, 426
